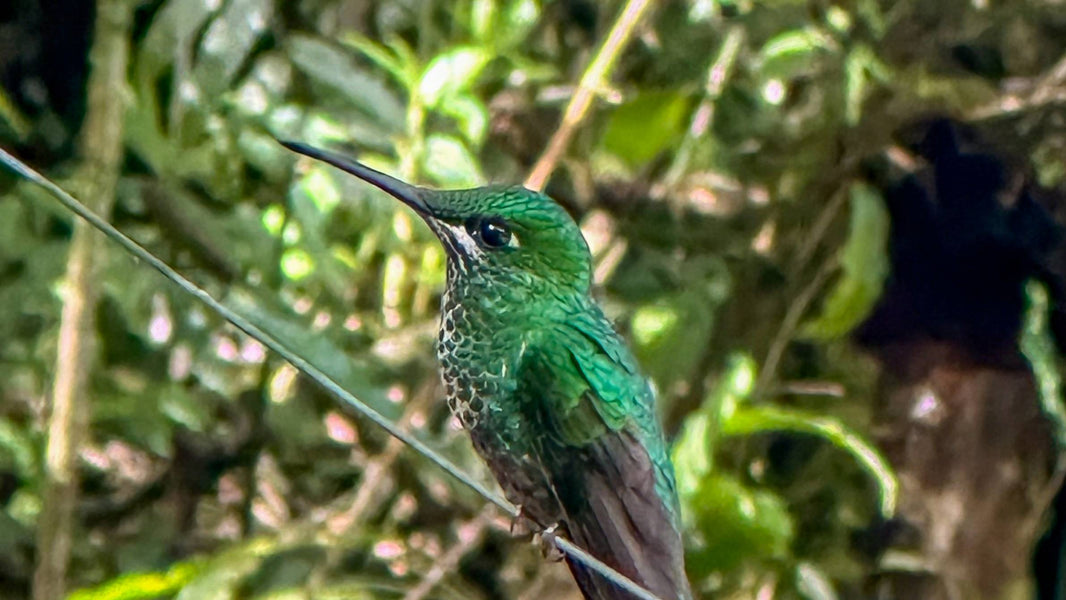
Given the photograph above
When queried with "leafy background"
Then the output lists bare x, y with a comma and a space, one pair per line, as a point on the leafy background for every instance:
720, 177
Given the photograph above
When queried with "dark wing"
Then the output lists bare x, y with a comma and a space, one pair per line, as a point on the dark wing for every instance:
604, 455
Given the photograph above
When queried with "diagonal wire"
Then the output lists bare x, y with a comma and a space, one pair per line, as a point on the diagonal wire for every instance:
309, 369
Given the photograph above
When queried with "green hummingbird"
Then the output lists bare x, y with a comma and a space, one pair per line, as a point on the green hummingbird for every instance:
548, 391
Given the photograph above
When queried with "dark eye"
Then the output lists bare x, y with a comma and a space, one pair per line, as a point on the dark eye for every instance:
492, 231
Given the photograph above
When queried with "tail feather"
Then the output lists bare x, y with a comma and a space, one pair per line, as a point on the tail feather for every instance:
608, 493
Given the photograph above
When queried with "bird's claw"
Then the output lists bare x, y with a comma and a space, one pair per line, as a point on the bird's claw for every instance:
548, 548
522, 525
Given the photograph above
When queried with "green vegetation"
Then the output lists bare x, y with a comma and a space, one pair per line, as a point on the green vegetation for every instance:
718, 176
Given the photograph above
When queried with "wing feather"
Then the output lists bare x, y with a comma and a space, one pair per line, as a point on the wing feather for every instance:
603, 453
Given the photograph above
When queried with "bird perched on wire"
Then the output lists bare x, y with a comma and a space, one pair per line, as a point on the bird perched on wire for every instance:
550, 394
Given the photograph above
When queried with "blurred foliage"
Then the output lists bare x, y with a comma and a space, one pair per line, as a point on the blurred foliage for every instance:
705, 181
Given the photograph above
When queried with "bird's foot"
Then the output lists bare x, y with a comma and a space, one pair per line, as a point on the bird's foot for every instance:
548, 548
522, 525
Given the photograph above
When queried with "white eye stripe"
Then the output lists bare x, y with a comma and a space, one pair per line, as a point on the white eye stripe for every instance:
467, 243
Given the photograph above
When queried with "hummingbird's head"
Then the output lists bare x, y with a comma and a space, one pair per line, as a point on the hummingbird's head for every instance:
509, 236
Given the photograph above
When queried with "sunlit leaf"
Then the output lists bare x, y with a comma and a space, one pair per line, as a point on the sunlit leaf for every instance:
854, 87
450, 164
651, 322
451, 73
273, 219
142, 586
403, 71
470, 114
1039, 348
335, 69
861, 67
693, 452
482, 19
791, 52
297, 264
734, 523
320, 186
353, 374
645, 126
761, 419
518, 20
813, 583
11, 115
18, 449
221, 578
865, 265
228, 41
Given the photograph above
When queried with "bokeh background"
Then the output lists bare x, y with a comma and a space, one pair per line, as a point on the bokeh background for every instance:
830, 230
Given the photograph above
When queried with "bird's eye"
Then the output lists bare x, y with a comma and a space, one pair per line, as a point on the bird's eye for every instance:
491, 231
495, 233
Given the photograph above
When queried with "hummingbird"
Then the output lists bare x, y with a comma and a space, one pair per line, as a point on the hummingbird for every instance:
552, 398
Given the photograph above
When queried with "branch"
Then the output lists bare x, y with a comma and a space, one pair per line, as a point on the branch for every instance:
101, 150
470, 535
591, 82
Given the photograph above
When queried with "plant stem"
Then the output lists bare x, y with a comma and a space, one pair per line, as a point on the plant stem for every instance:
591, 82
703, 117
101, 150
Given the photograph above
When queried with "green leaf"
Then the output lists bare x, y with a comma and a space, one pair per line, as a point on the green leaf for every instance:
693, 452
813, 583
221, 578
320, 186
227, 43
1039, 349
125, 413
136, 586
470, 114
10, 114
860, 66
671, 332
331, 67
482, 19
518, 19
760, 419
643, 127
297, 264
185, 408
18, 449
854, 87
451, 73
353, 374
263, 152
865, 264
792, 52
402, 67
450, 164
734, 524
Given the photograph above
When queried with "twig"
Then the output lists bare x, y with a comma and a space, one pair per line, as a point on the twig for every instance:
374, 475
703, 116
832, 389
795, 312
470, 535
821, 225
1049, 88
101, 150
591, 82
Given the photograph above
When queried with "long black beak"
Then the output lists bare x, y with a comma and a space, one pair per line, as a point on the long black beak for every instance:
412, 196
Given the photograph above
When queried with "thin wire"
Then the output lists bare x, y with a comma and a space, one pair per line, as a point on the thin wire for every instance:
309, 369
